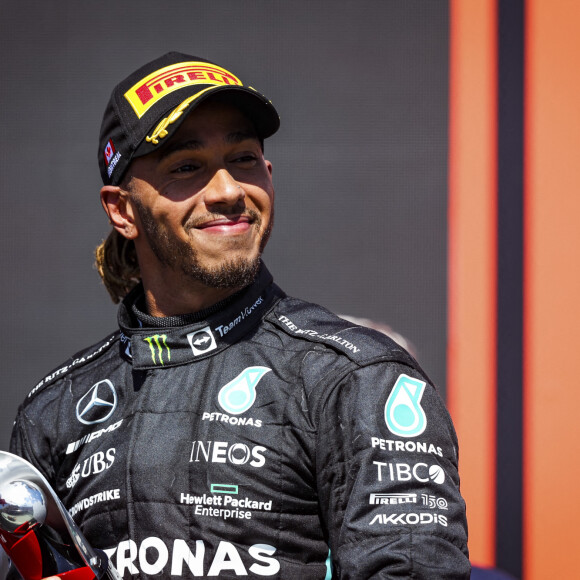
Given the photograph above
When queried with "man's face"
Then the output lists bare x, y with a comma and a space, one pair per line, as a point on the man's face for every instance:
204, 203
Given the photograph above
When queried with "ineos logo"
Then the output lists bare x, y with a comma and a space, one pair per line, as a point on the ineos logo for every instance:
98, 404
223, 452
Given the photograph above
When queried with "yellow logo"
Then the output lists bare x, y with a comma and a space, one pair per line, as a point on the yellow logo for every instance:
148, 91
160, 132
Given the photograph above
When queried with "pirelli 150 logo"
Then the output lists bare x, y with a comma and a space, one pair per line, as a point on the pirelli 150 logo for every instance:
403, 412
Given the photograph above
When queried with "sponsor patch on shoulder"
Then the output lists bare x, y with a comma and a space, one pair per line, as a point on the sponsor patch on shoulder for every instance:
78, 361
404, 415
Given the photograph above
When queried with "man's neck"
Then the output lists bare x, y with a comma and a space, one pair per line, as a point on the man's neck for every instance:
184, 297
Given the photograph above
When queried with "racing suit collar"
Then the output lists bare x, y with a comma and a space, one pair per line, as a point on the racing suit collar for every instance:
154, 347
148, 321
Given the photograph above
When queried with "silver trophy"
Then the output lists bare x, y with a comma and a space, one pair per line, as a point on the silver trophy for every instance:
36, 531
22, 506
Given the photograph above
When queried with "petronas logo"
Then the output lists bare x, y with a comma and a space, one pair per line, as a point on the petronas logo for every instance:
160, 352
403, 412
240, 393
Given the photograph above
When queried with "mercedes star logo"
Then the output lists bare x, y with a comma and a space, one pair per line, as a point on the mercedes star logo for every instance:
98, 404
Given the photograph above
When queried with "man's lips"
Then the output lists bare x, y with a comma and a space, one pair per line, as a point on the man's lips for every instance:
226, 225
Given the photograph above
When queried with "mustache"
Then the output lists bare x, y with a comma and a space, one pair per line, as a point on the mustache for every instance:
252, 215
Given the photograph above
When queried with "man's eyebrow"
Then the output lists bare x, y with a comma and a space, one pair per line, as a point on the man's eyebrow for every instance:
239, 136
189, 145
232, 138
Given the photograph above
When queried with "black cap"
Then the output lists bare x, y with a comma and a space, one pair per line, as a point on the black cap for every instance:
150, 104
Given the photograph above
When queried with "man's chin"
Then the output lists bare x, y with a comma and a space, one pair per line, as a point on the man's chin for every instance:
214, 248
233, 273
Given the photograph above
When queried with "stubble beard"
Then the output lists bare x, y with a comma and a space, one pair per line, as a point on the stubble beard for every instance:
175, 253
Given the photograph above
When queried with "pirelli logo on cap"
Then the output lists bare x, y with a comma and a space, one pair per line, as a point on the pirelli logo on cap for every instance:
148, 91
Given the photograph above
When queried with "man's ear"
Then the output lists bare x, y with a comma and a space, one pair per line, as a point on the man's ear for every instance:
117, 206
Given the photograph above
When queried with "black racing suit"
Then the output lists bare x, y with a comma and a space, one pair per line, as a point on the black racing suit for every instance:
255, 443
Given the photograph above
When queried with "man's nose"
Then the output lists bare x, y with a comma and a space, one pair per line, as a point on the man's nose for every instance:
223, 188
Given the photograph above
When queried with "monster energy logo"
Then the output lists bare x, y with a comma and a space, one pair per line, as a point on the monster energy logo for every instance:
157, 345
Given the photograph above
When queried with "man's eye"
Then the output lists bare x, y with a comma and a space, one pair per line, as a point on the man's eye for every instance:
185, 168
248, 158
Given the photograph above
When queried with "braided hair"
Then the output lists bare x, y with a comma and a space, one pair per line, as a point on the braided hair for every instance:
116, 262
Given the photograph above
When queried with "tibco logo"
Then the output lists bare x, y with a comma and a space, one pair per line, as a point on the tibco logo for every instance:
153, 557
405, 472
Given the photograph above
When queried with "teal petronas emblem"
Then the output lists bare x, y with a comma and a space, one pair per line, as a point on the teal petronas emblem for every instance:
403, 412
240, 393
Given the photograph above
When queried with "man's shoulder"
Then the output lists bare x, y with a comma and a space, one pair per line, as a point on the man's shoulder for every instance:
316, 324
88, 355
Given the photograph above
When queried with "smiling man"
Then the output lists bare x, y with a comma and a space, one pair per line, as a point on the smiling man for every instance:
226, 429
199, 210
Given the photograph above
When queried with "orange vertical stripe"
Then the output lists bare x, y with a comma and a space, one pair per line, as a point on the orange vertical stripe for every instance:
552, 289
471, 354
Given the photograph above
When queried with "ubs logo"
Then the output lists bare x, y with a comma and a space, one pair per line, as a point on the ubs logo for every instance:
98, 404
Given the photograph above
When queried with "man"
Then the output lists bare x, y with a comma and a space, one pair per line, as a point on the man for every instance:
226, 429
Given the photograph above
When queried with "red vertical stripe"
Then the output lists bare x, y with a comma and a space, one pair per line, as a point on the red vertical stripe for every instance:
471, 359
552, 290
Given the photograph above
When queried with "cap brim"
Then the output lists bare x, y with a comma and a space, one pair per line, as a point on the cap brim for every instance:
252, 104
